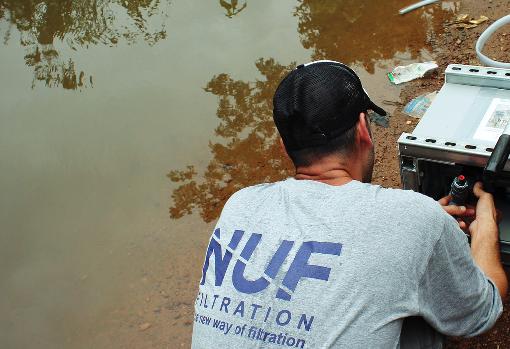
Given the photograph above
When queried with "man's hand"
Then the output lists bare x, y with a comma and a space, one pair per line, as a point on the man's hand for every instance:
463, 214
485, 239
486, 221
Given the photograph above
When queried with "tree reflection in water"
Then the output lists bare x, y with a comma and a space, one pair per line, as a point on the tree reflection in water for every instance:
231, 7
364, 32
346, 30
44, 24
249, 152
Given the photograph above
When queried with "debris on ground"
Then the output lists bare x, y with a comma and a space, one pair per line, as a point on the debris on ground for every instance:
412, 71
379, 120
417, 107
144, 326
464, 21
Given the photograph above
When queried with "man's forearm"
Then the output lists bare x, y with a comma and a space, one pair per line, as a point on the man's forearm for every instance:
485, 252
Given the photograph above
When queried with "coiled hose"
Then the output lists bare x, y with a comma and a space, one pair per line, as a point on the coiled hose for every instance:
484, 37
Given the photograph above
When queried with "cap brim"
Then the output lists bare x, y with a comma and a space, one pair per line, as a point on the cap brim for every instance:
377, 109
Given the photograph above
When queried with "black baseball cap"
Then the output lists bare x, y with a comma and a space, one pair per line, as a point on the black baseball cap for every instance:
317, 102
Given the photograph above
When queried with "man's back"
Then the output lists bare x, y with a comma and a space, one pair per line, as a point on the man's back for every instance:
303, 264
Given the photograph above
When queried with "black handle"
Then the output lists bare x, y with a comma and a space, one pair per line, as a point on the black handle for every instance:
497, 160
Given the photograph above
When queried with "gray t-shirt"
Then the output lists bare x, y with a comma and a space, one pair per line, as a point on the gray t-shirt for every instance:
303, 264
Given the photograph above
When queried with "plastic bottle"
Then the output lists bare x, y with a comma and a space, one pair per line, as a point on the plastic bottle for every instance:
459, 191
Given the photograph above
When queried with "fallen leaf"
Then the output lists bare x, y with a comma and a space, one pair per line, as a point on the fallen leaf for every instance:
465, 21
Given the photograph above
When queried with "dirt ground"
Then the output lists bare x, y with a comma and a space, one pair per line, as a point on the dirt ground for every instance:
451, 46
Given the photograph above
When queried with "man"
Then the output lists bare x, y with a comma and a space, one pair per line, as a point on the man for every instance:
326, 260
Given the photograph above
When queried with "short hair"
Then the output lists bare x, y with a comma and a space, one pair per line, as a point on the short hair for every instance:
341, 145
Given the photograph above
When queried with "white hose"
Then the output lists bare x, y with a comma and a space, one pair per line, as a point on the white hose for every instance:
415, 6
484, 37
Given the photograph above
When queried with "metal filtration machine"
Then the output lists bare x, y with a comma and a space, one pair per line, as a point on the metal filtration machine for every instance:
466, 130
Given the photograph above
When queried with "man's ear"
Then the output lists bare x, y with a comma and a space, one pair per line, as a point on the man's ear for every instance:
364, 135
282, 147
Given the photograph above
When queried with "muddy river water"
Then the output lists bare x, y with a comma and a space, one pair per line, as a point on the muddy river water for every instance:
125, 125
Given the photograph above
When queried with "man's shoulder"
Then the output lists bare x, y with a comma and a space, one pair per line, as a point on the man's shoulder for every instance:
386, 196
253, 189
407, 196
249, 193
410, 204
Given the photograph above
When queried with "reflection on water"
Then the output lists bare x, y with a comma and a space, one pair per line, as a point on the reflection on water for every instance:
364, 32
47, 27
249, 152
353, 32
231, 7
88, 253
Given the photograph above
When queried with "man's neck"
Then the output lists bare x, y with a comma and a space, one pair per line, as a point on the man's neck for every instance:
335, 176
332, 170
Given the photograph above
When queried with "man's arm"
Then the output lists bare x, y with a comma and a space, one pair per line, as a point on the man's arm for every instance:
485, 240
459, 293
485, 246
